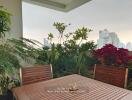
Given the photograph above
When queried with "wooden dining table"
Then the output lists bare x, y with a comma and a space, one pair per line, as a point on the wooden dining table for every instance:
71, 87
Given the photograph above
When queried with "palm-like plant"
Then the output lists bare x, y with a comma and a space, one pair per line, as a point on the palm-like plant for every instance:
12, 51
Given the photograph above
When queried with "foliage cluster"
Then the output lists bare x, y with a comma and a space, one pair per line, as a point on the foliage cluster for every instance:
12, 51
4, 21
111, 55
73, 53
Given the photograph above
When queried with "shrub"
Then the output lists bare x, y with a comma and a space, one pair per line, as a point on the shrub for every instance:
70, 55
111, 55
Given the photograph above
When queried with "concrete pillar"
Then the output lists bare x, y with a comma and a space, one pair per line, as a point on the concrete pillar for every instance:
15, 8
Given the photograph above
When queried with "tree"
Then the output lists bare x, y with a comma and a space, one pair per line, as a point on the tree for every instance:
50, 37
61, 28
73, 55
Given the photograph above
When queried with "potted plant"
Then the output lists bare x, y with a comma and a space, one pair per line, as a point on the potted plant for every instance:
112, 65
12, 51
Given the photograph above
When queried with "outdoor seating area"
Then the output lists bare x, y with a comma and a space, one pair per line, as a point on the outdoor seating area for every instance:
76, 60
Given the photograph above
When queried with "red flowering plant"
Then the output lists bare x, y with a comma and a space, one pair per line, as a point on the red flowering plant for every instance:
122, 57
111, 55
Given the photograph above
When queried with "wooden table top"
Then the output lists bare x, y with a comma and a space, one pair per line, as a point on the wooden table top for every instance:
58, 89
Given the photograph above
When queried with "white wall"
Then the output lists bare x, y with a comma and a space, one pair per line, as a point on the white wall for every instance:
15, 8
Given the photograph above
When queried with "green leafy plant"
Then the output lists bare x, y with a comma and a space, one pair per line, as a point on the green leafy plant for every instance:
4, 22
4, 83
70, 56
12, 51
7, 83
61, 28
50, 37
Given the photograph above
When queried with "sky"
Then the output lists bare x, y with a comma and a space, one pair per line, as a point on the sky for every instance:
114, 15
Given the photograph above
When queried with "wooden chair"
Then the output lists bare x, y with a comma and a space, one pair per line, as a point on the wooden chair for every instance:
111, 75
37, 73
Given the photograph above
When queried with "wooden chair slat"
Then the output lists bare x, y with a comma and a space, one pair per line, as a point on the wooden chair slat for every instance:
36, 73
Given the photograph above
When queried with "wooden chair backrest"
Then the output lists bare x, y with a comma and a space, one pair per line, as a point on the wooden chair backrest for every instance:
35, 74
111, 75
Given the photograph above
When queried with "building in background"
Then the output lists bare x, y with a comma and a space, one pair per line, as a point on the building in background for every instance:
46, 43
106, 37
129, 46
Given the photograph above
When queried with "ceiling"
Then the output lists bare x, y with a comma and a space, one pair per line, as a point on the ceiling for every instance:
62, 1
61, 5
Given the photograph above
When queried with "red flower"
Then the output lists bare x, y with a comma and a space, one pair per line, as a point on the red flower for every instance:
110, 55
130, 58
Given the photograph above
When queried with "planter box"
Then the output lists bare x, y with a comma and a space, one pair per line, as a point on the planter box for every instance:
112, 75
8, 96
5, 97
